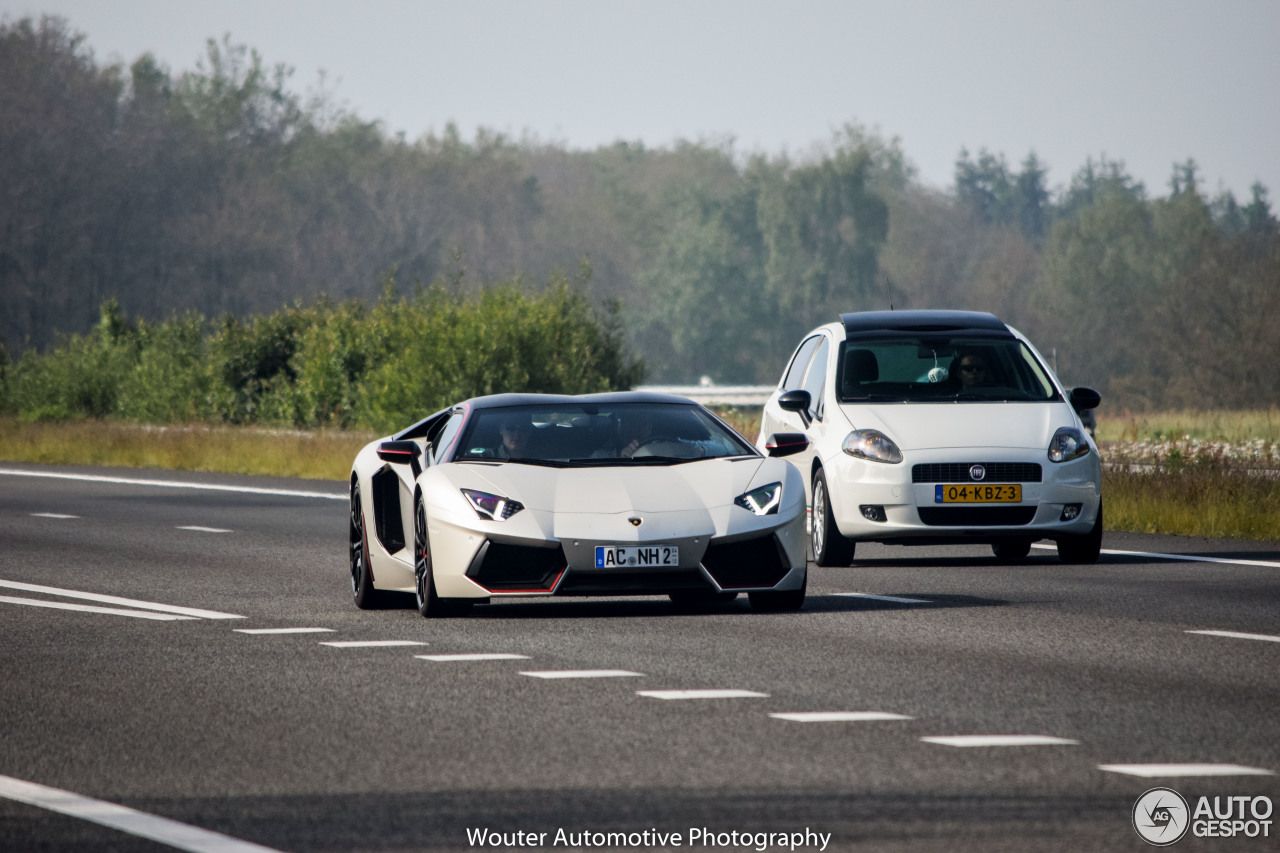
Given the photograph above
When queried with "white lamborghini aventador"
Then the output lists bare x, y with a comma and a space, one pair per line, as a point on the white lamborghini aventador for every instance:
603, 494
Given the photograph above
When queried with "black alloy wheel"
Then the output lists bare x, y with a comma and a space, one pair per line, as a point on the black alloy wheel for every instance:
362, 591
429, 604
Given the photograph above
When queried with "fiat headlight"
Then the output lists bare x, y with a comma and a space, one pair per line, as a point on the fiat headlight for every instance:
873, 445
1068, 443
491, 507
762, 501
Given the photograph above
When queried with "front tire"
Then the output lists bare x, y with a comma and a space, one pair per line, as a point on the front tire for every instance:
1011, 550
429, 604
363, 593
829, 547
1083, 549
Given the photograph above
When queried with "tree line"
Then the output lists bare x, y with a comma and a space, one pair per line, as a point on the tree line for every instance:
222, 194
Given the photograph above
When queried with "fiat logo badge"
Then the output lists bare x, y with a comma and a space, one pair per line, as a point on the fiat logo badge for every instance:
977, 472
636, 522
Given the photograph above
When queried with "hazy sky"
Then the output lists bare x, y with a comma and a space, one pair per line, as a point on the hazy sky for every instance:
1148, 82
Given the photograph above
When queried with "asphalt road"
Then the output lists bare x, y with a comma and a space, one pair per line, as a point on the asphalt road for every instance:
279, 740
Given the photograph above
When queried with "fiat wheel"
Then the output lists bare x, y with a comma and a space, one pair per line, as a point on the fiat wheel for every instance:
829, 547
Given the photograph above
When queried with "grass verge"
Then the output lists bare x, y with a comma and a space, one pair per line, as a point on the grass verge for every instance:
1184, 488
228, 450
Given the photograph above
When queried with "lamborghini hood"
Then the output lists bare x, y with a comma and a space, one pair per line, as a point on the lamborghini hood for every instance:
659, 488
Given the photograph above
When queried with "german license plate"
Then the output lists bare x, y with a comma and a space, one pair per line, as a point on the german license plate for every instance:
974, 493
636, 556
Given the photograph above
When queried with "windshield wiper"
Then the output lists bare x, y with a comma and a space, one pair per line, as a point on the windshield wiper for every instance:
525, 460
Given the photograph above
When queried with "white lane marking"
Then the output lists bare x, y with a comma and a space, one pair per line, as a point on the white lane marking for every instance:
585, 673
702, 694
175, 484
151, 827
370, 644
1190, 558
891, 598
838, 716
115, 599
1152, 771
473, 656
1237, 635
204, 529
89, 608
52, 515
1000, 740
283, 630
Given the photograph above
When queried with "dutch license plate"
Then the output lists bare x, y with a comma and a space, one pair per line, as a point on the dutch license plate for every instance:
977, 494
637, 556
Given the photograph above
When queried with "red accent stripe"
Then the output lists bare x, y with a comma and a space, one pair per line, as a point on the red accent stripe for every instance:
551, 588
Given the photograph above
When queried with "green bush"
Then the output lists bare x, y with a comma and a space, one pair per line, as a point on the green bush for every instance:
329, 365
79, 378
170, 381
438, 348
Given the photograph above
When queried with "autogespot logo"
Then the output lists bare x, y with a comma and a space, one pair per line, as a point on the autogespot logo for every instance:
1161, 816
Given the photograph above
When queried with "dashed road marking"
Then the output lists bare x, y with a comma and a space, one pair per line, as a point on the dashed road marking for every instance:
1000, 740
1152, 771
584, 673
1237, 635
473, 656
61, 515
90, 608
199, 529
115, 599
151, 827
370, 644
838, 716
702, 694
283, 630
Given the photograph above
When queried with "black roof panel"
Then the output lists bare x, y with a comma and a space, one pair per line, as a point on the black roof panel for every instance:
862, 322
496, 401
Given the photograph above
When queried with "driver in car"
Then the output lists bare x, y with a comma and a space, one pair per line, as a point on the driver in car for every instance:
971, 370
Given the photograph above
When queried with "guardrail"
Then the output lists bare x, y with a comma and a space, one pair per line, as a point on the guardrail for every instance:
717, 395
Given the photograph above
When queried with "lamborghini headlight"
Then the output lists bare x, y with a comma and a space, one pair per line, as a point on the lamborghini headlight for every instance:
1068, 443
873, 445
762, 501
492, 507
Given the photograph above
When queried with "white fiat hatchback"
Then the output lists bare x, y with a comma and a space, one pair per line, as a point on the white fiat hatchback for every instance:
937, 427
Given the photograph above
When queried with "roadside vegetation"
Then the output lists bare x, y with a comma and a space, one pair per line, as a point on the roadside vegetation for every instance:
220, 190
327, 366
155, 222
1223, 484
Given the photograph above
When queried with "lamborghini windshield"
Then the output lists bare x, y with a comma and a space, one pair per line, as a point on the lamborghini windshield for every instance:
931, 369
599, 435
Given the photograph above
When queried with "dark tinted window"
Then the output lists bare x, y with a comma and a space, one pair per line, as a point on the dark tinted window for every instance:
931, 369
599, 435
